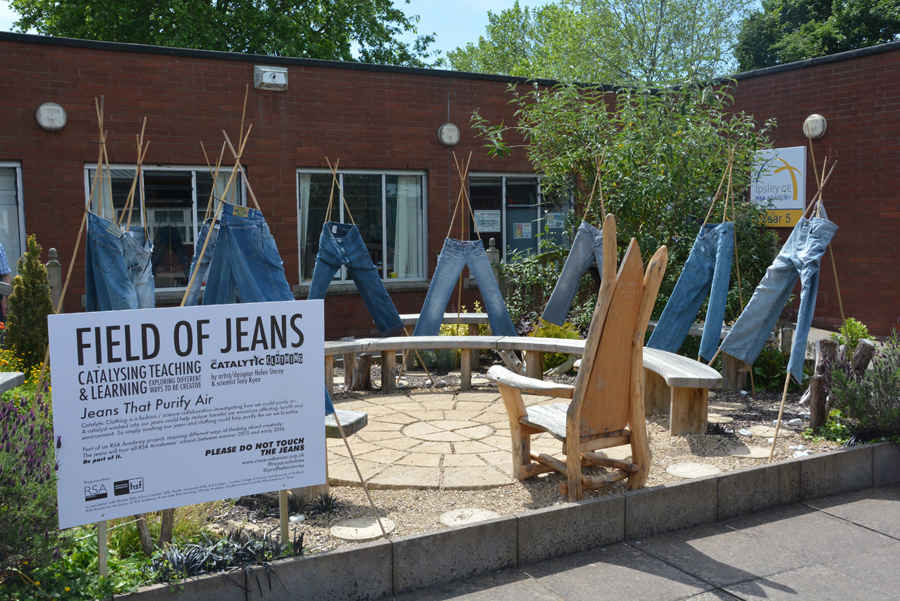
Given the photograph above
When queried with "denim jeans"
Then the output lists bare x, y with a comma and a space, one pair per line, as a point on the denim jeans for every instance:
587, 246
246, 261
118, 270
799, 258
168, 239
708, 267
342, 244
193, 294
455, 255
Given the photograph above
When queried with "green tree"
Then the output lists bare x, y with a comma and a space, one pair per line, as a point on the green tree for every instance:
29, 305
791, 30
651, 42
664, 154
325, 30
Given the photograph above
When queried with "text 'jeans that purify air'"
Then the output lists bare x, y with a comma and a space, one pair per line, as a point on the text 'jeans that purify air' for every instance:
799, 258
119, 274
455, 255
342, 244
587, 247
708, 268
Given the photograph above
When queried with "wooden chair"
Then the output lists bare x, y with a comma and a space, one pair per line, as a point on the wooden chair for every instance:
607, 407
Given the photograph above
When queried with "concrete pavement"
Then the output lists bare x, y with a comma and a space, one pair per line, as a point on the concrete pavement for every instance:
842, 547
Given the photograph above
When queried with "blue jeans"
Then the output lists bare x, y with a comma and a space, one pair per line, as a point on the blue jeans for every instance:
118, 268
587, 246
193, 294
799, 258
455, 255
708, 267
246, 261
341, 244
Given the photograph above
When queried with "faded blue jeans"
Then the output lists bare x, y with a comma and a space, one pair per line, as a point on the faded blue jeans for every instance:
245, 261
799, 258
118, 270
342, 244
708, 267
455, 255
193, 294
587, 246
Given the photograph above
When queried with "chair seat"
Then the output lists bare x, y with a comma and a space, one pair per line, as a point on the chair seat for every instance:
351, 421
549, 418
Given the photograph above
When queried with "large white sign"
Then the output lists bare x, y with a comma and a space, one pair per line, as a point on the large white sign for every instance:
159, 408
778, 182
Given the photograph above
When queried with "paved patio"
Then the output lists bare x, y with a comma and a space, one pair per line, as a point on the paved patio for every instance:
456, 440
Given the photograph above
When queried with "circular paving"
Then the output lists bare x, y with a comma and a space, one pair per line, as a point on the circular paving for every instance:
455, 441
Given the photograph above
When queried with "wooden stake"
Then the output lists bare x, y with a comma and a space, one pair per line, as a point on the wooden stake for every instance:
359, 473
102, 550
787, 381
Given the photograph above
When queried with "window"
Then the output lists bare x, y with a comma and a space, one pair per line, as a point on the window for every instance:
176, 205
12, 220
388, 208
514, 211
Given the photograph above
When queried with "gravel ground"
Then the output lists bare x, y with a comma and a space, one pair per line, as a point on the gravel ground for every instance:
416, 511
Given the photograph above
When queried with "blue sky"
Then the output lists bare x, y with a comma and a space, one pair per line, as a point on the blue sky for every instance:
455, 23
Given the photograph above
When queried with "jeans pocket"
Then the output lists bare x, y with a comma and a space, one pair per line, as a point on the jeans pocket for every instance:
105, 256
245, 240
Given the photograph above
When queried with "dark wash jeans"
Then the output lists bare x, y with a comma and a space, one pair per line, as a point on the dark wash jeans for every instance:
118, 271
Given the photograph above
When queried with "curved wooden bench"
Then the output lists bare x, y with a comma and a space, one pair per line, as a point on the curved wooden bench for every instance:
672, 383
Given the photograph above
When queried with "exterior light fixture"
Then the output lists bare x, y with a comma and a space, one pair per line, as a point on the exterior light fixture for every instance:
814, 127
448, 134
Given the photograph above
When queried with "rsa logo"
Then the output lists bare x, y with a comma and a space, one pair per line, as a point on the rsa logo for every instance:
94, 492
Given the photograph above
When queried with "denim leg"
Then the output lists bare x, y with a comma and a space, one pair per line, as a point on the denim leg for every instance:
220, 284
193, 295
448, 268
328, 261
329, 406
498, 314
108, 285
718, 293
689, 293
587, 246
138, 250
369, 284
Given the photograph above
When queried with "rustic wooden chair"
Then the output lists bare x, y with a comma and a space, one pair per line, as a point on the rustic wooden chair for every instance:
607, 407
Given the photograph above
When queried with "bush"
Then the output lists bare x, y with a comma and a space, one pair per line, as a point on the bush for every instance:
551, 330
850, 334
770, 369
870, 401
29, 305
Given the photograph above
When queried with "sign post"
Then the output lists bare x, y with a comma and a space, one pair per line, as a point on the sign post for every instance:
778, 182
160, 408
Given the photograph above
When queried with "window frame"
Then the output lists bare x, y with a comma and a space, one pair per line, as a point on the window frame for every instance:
20, 209
343, 277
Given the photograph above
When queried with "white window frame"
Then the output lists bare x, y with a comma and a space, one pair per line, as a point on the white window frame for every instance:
89, 169
338, 204
20, 207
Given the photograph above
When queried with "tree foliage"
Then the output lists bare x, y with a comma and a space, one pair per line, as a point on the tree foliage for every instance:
331, 30
651, 42
29, 305
664, 155
791, 30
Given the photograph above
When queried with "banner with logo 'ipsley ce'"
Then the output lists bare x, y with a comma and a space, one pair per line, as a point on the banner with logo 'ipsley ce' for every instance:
159, 408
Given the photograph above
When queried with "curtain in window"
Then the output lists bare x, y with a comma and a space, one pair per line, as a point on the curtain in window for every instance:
9, 216
303, 185
408, 241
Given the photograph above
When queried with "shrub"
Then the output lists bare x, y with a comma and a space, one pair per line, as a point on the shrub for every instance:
770, 368
551, 330
29, 305
870, 401
851, 333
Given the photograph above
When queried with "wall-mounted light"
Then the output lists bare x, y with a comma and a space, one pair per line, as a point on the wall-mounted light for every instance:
814, 127
270, 78
448, 134
51, 117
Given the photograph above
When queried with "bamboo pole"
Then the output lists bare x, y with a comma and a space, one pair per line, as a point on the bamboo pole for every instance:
359, 473
787, 381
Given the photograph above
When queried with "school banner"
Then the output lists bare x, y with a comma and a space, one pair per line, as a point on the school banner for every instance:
159, 408
778, 182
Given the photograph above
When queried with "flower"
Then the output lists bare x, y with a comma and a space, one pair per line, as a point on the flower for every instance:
67, 589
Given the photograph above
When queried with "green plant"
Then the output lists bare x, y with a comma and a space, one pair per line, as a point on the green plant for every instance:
29, 305
325, 503
770, 368
551, 330
869, 401
850, 334
834, 429
189, 525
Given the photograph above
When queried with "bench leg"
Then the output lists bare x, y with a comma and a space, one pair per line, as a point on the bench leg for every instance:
349, 369
473, 331
688, 412
534, 364
732, 376
388, 363
465, 369
656, 393
329, 374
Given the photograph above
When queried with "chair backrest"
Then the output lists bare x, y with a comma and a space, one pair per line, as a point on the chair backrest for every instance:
613, 349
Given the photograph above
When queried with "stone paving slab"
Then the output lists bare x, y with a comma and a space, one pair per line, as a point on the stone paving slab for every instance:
817, 582
877, 509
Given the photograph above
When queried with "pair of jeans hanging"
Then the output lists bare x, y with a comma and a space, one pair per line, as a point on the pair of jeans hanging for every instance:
245, 261
342, 244
587, 247
799, 258
193, 293
708, 267
455, 255
118, 269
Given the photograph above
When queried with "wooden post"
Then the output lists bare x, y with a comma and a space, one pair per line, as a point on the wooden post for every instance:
657, 396
284, 514
102, 550
349, 360
54, 275
818, 414
534, 364
473, 331
465, 369
865, 350
732, 376
362, 373
329, 374
388, 363
826, 352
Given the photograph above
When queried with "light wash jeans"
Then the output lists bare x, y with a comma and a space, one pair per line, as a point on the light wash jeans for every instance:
799, 258
193, 294
587, 247
455, 255
342, 244
118, 270
246, 261
708, 267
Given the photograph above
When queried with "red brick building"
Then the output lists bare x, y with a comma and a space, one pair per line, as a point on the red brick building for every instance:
400, 181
